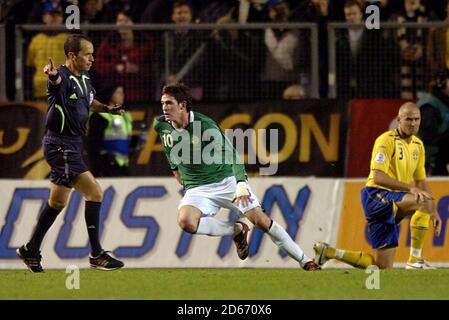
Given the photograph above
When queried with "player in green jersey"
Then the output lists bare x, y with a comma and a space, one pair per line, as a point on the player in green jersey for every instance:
207, 165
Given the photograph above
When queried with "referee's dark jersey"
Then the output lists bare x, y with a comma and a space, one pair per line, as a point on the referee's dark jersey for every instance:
68, 103
67, 115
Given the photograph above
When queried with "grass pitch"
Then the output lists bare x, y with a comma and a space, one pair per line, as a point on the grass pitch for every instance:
225, 284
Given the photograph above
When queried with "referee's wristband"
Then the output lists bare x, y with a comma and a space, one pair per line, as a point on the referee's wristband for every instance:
53, 77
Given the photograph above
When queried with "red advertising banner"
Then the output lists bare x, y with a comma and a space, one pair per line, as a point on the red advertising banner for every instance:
368, 119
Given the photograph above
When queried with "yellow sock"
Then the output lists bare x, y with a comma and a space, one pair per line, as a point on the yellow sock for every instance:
419, 224
358, 259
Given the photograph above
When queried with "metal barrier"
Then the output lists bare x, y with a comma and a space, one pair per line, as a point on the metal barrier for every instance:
396, 61
2, 63
220, 62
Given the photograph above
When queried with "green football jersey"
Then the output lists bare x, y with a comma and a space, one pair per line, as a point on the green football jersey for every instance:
201, 152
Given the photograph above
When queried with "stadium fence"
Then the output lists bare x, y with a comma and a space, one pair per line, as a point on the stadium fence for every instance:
382, 69
224, 62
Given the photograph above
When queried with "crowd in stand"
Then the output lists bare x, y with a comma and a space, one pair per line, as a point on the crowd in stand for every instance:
220, 65
248, 64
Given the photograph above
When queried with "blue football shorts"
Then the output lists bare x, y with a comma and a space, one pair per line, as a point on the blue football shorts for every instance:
379, 208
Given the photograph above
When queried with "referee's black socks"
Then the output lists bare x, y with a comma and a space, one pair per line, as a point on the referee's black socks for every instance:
46, 218
92, 215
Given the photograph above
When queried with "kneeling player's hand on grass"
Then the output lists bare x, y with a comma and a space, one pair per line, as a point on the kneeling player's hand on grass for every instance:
242, 194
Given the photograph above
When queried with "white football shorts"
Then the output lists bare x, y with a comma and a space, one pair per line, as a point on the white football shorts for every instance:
211, 197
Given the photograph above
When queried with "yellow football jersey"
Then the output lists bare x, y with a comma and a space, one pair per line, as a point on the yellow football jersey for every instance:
399, 159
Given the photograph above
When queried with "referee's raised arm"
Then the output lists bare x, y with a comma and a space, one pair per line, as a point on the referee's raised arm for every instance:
52, 73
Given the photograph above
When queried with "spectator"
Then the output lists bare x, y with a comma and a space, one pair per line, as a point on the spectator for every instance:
360, 71
253, 11
282, 53
186, 51
411, 44
209, 11
39, 8
91, 14
236, 57
438, 46
43, 45
126, 55
109, 136
434, 130
312, 10
157, 11
319, 12
134, 9
294, 92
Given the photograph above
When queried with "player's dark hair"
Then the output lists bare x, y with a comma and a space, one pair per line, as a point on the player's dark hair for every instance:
180, 92
73, 43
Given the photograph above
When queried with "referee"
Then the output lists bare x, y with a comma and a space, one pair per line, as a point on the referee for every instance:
70, 98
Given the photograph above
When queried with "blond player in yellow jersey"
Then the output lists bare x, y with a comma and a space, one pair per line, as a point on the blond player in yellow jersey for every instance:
396, 188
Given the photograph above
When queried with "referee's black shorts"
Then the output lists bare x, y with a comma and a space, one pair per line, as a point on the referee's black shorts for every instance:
64, 155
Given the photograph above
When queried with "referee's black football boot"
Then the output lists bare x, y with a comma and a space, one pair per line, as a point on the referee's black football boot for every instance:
31, 259
105, 262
